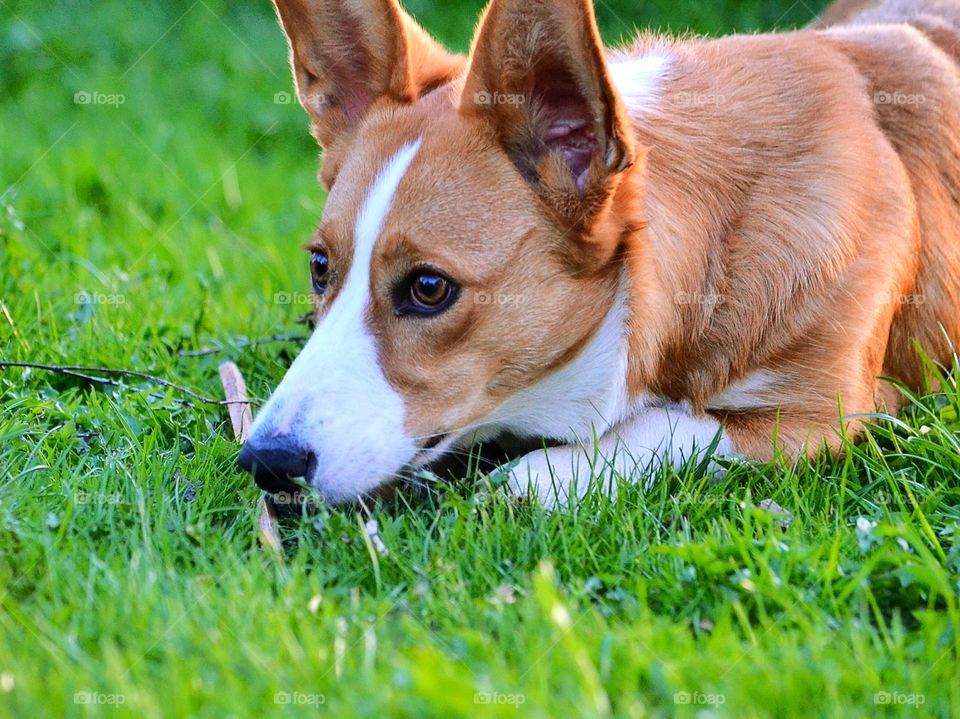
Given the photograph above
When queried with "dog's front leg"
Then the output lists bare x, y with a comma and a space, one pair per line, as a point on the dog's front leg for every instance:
634, 449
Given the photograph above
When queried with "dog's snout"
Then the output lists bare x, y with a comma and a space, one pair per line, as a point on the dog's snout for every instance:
273, 463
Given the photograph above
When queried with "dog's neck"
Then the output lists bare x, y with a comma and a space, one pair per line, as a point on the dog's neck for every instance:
690, 182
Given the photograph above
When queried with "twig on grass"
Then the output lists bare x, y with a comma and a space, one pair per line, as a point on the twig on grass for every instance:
237, 403
207, 351
241, 417
89, 374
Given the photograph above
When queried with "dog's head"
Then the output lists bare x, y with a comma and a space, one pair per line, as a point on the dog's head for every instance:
467, 267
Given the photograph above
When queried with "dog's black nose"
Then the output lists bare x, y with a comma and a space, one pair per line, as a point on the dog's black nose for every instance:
274, 463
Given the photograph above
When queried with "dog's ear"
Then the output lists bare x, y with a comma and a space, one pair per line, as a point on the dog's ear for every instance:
538, 73
349, 55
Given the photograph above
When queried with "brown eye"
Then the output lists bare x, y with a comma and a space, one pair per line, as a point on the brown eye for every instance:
319, 271
429, 291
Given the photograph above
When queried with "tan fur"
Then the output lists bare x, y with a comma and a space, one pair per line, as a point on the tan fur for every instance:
791, 222
458, 367
349, 56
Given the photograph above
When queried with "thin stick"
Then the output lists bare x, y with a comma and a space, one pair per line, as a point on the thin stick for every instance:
85, 373
207, 351
241, 417
235, 389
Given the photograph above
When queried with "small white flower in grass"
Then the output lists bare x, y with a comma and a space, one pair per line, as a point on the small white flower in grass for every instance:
770, 506
373, 531
7, 682
314, 604
504, 594
865, 537
744, 579
560, 616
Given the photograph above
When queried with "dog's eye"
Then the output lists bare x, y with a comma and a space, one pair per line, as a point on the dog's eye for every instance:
430, 291
427, 293
319, 269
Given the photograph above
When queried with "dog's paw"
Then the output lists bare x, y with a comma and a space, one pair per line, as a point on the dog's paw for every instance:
553, 476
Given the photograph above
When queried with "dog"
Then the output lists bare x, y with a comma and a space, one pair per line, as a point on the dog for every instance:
626, 259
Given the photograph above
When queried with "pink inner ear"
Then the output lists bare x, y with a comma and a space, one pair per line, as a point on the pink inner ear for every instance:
355, 103
577, 141
352, 67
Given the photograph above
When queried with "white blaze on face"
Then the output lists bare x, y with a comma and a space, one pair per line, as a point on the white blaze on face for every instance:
335, 400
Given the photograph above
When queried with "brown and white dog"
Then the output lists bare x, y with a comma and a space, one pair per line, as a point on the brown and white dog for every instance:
640, 255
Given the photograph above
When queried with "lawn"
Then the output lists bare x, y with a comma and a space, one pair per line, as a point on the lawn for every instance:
156, 185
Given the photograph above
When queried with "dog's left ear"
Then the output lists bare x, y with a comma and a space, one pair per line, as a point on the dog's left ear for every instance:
350, 55
538, 73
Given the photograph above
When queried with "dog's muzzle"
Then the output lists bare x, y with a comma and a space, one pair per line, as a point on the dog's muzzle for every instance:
274, 462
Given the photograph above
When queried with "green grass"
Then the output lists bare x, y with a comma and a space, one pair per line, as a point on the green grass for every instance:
134, 234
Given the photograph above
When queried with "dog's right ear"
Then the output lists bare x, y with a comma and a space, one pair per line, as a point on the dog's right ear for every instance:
539, 77
350, 55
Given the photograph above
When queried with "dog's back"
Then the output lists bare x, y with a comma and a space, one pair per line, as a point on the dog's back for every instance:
939, 20
908, 52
